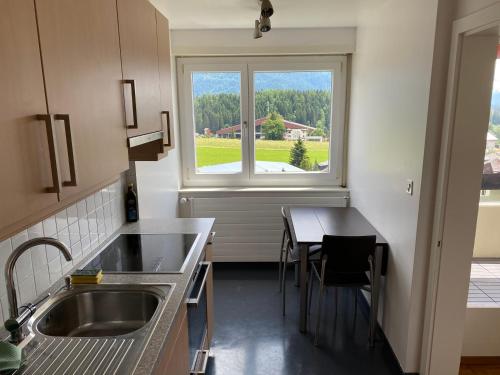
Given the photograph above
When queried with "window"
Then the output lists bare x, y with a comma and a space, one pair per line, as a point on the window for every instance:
262, 120
490, 186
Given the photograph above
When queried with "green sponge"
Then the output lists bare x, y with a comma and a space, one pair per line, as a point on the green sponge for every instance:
11, 357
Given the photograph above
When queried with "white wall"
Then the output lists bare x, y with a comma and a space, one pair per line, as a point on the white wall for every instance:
466, 7
391, 90
158, 182
278, 41
482, 332
157, 187
487, 241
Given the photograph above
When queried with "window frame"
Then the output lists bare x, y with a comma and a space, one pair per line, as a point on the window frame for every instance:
248, 66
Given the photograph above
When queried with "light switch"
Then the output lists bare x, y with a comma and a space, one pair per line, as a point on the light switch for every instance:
409, 187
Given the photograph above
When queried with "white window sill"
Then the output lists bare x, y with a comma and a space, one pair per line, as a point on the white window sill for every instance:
259, 191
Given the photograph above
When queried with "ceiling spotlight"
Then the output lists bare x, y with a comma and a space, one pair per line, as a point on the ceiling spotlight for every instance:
265, 24
266, 8
256, 32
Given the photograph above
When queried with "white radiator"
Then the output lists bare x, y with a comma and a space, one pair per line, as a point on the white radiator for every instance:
249, 229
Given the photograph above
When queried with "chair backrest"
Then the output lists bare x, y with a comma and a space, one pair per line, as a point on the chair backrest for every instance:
285, 223
348, 253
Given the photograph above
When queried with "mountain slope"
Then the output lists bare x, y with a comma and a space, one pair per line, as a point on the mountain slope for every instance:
229, 82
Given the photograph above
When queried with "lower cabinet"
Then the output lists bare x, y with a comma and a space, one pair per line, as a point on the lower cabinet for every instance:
210, 290
176, 354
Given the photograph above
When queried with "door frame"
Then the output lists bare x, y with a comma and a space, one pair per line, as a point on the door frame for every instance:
464, 27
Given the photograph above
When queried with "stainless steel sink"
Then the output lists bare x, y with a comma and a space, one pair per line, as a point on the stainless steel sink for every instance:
93, 329
98, 312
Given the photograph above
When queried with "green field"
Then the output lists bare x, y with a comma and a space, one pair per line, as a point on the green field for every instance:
212, 151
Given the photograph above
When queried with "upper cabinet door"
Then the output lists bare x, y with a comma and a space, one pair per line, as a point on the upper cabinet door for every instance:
81, 57
25, 166
163, 34
139, 51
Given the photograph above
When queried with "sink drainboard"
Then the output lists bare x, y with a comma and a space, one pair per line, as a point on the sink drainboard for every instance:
77, 356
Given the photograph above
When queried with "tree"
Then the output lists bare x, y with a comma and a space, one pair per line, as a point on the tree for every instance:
274, 127
308, 107
298, 156
318, 132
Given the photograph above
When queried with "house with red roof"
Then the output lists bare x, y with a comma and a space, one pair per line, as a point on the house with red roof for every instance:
294, 130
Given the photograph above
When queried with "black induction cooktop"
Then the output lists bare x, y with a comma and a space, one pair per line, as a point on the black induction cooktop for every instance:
147, 253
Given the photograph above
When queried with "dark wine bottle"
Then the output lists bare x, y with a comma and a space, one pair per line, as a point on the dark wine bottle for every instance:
131, 205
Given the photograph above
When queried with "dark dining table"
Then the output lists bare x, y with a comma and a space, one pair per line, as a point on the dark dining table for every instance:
309, 224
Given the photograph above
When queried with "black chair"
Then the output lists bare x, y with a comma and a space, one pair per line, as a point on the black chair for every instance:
283, 249
291, 253
344, 262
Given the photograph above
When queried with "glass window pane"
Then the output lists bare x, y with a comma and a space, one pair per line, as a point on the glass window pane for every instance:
491, 170
217, 119
292, 121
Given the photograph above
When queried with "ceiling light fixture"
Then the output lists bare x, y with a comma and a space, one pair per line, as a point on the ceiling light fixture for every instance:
266, 8
256, 32
263, 24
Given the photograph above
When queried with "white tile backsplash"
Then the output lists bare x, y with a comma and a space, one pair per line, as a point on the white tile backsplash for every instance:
72, 212
49, 226
82, 227
61, 220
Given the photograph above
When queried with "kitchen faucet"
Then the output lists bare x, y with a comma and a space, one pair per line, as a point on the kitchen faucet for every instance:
16, 319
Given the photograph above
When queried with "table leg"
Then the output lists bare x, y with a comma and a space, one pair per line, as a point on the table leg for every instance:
376, 286
304, 252
297, 273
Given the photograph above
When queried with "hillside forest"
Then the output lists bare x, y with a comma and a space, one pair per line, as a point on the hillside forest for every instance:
310, 107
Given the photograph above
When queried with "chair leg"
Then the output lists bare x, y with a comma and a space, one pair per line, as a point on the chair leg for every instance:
335, 291
355, 315
283, 282
297, 274
371, 333
355, 304
318, 319
280, 269
336, 301
311, 282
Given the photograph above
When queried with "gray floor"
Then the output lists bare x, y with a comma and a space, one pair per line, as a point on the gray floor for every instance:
251, 336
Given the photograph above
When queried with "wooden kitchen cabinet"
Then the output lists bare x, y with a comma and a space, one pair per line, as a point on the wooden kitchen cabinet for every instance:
139, 53
64, 100
165, 76
175, 358
25, 164
80, 51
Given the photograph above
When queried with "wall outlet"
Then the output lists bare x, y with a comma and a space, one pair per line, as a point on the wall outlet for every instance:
409, 187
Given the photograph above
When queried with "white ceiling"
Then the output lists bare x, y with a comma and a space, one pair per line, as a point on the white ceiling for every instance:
220, 14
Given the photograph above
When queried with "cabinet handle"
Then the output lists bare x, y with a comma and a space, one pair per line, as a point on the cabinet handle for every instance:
169, 134
203, 361
54, 160
69, 145
131, 82
206, 267
211, 238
